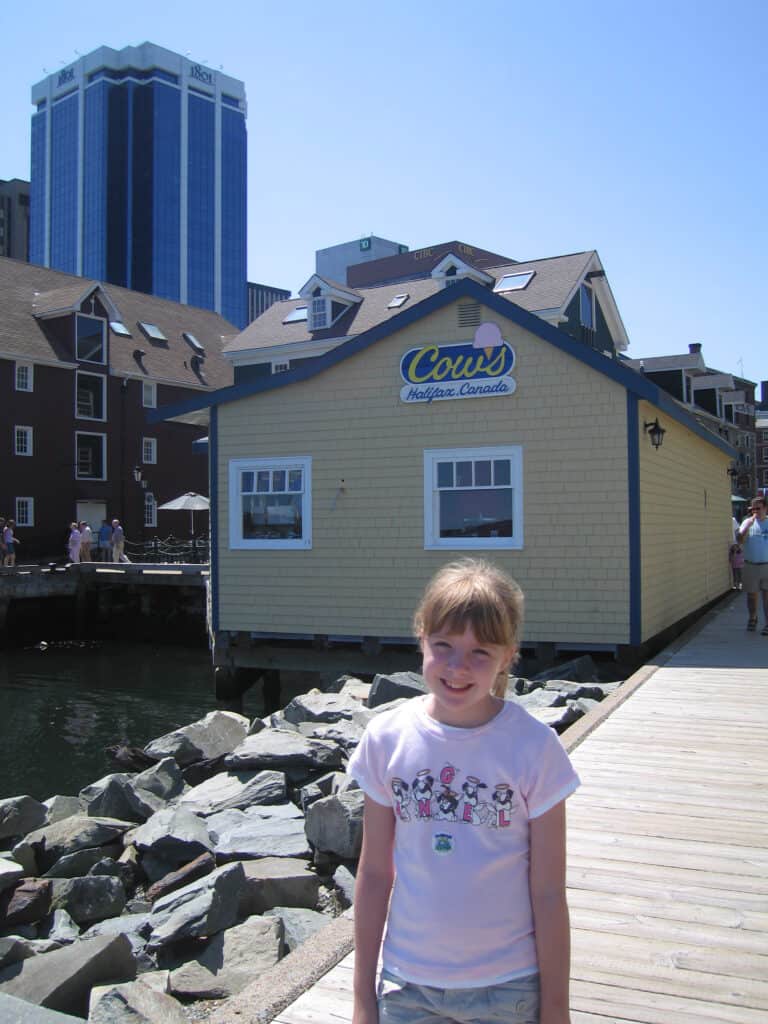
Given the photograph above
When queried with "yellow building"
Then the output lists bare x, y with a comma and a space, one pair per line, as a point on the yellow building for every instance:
458, 424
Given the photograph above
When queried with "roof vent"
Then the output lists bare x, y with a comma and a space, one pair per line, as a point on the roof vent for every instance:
694, 348
468, 314
138, 354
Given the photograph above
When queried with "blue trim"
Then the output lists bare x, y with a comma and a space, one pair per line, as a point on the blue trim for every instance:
634, 382
213, 469
633, 488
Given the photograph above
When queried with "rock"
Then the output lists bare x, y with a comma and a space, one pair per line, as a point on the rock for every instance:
541, 698
197, 868
344, 881
10, 873
18, 1011
326, 785
202, 908
133, 1003
127, 758
574, 690
584, 704
60, 928
277, 836
235, 790
559, 718
579, 670
201, 771
40, 850
320, 707
27, 902
278, 882
115, 796
174, 837
386, 688
19, 815
164, 780
280, 748
216, 734
298, 924
257, 725
230, 960
108, 866
335, 824
88, 899
61, 980
344, 734
356, 689
14, 949
136, 928
60, 807
75, 865
364, 715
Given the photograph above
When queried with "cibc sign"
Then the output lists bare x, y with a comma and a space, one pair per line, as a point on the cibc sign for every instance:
201, 74
471, 369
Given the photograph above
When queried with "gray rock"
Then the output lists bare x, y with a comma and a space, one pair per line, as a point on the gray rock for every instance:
277, 836
18, 1011
28, 902
125, 924
235, 790
559, 718
345, 734
574, 690
335, 824
61, 980
197, 868
344, 881
164, 780
40, 850
115, 796
75, 865
298, 924
388, 687
60, 927
216, 734
541, 698
320, 707
356, 689
10, 873
280, 748
257, 725
88, 899
278, 882
230, 960
133, 1003
19, 815
584, 704
579, 670
14, 949
326, 785
60, 807
364, 715
173, 836
203, 908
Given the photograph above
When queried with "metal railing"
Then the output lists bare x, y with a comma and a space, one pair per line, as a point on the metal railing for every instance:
172, 550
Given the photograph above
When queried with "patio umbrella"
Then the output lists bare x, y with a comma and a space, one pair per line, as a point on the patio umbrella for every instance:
190, 500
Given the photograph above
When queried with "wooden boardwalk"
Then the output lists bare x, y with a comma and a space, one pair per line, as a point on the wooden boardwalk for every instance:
668, 848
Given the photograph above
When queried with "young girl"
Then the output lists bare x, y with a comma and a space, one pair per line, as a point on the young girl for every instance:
465, 828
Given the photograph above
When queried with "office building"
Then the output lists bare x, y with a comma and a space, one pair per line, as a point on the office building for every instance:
139, 176
261, 297
14, 219
332, 263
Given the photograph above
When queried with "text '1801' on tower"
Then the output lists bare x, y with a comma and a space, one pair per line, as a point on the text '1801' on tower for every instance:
138, 175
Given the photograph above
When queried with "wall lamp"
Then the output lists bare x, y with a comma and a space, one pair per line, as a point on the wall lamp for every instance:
655, 431
137, 477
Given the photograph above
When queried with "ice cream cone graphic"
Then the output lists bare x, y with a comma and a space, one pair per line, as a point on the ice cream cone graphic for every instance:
488, 337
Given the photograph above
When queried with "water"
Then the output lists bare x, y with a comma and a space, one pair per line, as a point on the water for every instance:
60, 708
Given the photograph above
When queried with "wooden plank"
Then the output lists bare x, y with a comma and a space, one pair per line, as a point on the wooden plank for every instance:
650, 907
654, 1008
749, 888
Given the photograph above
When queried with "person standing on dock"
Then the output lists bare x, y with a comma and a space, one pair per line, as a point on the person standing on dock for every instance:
753, 538
86, 539
10, 542
118, 542
105, 541
73, 543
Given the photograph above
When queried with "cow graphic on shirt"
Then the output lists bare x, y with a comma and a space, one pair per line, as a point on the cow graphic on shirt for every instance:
447, 801
503, 800
422, 793
402, 798
464, 801
471, 805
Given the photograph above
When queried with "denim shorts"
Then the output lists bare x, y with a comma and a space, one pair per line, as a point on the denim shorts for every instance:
512, 1002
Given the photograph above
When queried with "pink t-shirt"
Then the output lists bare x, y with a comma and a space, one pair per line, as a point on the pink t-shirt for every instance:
460, 914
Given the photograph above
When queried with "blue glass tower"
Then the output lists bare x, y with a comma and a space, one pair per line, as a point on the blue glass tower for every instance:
139, 176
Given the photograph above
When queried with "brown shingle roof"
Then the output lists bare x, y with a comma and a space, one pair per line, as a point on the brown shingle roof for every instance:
26, 290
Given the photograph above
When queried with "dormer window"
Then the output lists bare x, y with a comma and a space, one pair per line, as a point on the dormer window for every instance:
319, 313
451, 269
587, 307
89, 341
327, 302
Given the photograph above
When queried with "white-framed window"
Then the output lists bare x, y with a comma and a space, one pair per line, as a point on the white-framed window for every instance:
90, 396
765, 480
25, 512
150, 509
270, 503
280, 366
149, 450
149, 394
23, 440
473, 498
25, 377
319, 314
587, 307
90, 332
90, 456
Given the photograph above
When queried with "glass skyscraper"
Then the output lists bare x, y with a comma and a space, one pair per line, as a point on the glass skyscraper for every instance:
139, 176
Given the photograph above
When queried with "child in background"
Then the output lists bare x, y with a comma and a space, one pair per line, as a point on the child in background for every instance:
464, 827
736, 558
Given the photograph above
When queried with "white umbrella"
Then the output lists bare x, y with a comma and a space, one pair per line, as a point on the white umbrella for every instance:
190, 500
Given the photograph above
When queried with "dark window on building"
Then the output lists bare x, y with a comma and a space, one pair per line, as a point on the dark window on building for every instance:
90, 339
90, 457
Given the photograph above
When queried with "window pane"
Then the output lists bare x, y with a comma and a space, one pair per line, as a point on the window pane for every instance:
278, 480
262, 481
90, 396
484, 513
90, 456
463, 474
483, 473
294, 480
246, 483
272, 517
502, 472
445, 474
90, 339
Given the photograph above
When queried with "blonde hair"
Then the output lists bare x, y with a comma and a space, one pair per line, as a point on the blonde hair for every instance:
477, 594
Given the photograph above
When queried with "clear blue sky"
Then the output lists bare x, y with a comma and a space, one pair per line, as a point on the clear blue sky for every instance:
529, 128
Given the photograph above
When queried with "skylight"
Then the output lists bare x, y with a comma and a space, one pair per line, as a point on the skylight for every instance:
192, 340
513, 282
152, 331
118, 327
397, 301
300, 313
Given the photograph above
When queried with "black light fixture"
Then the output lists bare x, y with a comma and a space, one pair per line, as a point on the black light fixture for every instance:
655, 431
137, 474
